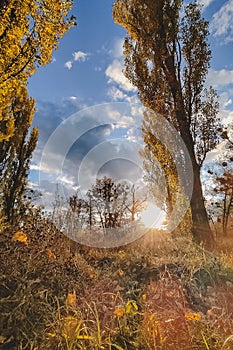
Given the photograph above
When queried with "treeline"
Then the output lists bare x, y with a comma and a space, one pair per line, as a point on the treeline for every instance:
107, 204
29, 33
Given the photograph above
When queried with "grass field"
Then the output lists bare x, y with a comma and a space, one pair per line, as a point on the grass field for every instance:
156, 293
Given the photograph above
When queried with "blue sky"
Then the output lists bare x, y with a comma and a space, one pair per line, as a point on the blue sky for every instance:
87, 108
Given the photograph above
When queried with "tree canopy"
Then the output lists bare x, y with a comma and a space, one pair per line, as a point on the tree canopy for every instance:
15, 155
29, 32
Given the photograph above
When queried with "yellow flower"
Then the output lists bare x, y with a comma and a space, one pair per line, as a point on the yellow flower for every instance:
144, 297
71, 299
120, 272
20, 237
119, 312
193, 316
121, 254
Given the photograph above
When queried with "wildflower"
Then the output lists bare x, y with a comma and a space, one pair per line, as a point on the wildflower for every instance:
20, 237
121, 254
144, 297
119, 312
193, 316
120, 272
50, 254
71, 299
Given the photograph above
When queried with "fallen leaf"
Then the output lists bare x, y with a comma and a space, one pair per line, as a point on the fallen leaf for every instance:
20, 237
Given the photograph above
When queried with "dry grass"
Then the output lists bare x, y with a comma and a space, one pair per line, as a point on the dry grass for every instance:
157, 293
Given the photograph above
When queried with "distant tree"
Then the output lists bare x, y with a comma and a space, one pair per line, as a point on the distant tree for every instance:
80, 212
15, 155
220, 203
225, 188
167, 58
59, 209
29, 32
91, 210
135, 204
109, 202
220, 195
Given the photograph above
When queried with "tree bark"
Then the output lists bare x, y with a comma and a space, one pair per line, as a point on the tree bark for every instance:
201, 230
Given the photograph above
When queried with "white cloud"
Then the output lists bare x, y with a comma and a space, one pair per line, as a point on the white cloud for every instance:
115, 75
216, 153
73, 98
222, 23
123, 119
227, 116
117, 51
219, 78
80, 56
65, 180
116, 94
228, 102
205, 3
68, 65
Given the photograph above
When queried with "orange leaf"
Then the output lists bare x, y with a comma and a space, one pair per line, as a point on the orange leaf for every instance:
20, 237
50, 254
120, 272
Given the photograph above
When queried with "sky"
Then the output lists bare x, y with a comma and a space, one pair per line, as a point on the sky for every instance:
88, 113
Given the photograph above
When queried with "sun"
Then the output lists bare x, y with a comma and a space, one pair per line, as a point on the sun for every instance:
153, 216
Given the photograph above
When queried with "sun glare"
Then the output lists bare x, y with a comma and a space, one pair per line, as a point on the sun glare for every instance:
153, 216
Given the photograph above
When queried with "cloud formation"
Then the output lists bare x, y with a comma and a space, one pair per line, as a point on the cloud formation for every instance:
92, 139
222, 23
205, 3
219, 78
78, 56
114, 73
117, 51
68, 65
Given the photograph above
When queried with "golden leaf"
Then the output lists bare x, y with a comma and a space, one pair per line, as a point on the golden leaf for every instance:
20, 237
50, 254
131, 307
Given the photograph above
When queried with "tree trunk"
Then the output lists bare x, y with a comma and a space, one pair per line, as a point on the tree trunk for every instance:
201, 230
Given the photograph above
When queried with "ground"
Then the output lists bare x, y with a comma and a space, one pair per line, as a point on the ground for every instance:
159, 292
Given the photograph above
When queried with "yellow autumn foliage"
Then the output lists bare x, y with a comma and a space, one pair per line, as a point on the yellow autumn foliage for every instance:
20, 236
192, 316
29, 32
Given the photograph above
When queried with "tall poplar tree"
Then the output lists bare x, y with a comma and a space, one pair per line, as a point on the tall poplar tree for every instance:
167, 58
15, 155
29, 32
